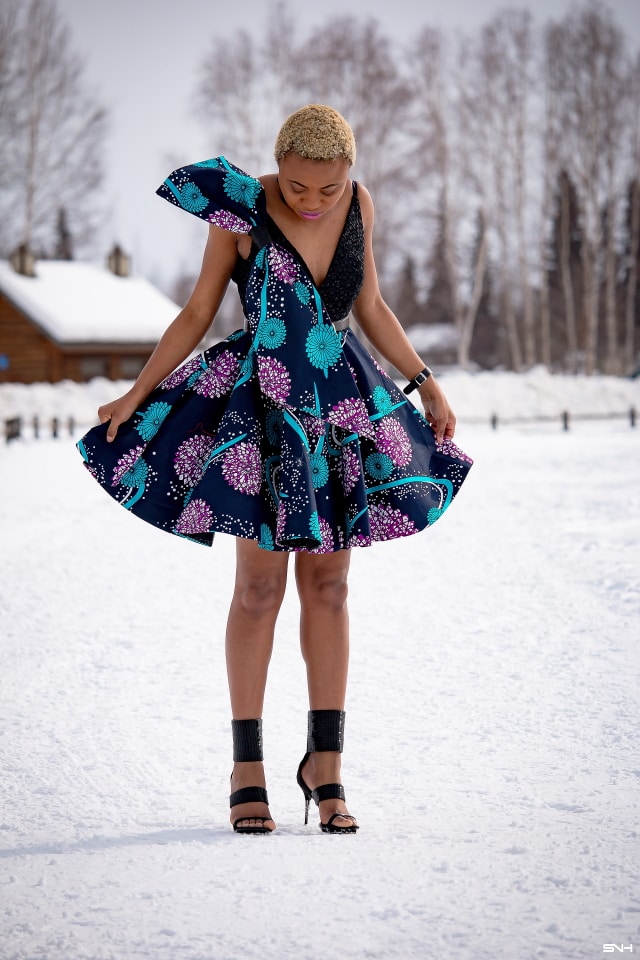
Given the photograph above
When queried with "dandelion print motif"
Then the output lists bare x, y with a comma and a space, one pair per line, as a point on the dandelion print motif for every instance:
229, 221
242, 189
152, 420
271, 333
392, 439
323, 347
219, 378
190, 458
351, 414
181, 374
382, 400
387, 523
126, 464
192, 198
195, 518
349, 469
379, 466
274, 378
319, 470
242, 468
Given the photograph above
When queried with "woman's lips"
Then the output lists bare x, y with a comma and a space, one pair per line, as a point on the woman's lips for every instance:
310, 216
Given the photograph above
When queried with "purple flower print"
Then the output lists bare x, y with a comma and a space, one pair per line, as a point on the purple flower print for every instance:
274, 378
326, 535
127, 464
449, 449
220, 377
351, 414
229, 221
387, 523
195, 518
392, 439
349, 469
191, 457
181, 374
282, 264
242, 468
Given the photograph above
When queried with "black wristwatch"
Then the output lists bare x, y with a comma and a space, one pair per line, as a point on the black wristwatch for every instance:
417, 380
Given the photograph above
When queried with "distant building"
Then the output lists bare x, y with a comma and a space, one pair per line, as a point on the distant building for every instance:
69, 320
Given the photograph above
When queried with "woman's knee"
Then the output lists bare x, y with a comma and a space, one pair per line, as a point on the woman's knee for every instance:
261, 579
258, 595
323, 585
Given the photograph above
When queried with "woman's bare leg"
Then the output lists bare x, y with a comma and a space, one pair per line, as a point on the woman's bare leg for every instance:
324, 638
260, 583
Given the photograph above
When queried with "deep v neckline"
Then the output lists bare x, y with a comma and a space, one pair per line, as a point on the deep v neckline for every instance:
294, 250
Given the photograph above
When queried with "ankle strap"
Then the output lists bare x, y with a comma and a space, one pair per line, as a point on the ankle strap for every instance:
247, 740
325, 730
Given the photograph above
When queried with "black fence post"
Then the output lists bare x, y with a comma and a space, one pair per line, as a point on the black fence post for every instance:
55, 427
72, 426
632, 416
565, 420
36, 426
494, 421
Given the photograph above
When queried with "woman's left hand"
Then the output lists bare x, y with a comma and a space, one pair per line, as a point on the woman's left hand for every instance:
437, 411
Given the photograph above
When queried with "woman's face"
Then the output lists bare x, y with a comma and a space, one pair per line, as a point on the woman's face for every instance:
311, 188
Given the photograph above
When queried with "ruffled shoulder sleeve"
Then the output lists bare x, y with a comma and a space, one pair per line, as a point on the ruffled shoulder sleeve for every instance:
219, 193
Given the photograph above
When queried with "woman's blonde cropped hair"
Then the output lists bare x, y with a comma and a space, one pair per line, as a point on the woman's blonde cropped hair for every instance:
316, 132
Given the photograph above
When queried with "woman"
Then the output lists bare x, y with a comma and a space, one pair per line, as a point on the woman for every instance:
287, 434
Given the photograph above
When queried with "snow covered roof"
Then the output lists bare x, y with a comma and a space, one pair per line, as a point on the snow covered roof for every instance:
76, 302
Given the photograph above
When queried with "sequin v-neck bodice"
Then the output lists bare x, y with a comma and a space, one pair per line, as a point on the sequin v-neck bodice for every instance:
345, 275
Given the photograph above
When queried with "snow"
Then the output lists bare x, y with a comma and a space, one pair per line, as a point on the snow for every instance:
492, 720
79, 302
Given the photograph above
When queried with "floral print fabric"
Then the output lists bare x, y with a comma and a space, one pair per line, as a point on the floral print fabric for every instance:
287, 433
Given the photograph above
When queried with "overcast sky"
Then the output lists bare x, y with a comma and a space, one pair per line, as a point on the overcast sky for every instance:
142, 59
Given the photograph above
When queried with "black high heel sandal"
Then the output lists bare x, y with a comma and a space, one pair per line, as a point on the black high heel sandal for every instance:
325, 732
247, 747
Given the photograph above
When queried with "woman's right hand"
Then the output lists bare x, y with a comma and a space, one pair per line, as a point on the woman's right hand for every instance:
117, 412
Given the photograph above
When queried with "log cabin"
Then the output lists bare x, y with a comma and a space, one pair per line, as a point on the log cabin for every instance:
73, 320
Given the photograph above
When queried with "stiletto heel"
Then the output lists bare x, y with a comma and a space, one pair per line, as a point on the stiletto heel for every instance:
305, 789
247, 748
325, 733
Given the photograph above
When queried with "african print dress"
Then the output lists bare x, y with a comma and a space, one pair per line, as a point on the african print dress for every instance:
287, 432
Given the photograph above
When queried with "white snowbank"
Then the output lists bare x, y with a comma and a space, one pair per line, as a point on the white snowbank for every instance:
492, 726
474, 396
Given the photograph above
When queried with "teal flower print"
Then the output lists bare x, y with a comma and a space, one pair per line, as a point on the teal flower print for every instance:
382, 400
266, 538
314, 526
379, 466
323, 347
274, 427
192, 199
302, 292
261, 257
319, 470
271, 333
242, 189
136, 474
152, 420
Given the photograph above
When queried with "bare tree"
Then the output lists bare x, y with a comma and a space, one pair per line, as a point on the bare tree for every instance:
351, 65
589, 52
633, 113
52, 131
246, 88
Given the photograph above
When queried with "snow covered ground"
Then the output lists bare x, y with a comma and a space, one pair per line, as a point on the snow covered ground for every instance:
492, 724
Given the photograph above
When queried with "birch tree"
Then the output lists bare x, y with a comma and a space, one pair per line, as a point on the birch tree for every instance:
52, 131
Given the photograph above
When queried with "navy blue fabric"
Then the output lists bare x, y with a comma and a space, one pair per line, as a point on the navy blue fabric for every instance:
287, 433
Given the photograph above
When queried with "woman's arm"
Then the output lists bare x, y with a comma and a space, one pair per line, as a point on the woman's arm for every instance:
185, 332
383, 329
